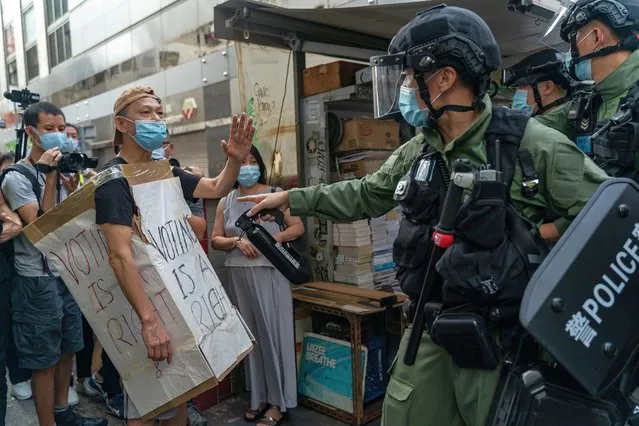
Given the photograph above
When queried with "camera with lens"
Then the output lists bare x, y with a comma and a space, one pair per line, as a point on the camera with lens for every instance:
23, 98
73, 162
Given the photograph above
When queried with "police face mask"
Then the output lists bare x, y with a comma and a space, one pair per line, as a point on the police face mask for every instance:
248, 176
582, 68
409, 107
51, 140
149, 134
520, 102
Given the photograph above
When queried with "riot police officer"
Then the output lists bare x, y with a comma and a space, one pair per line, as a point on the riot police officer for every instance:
436, 74
543, 87
603, 37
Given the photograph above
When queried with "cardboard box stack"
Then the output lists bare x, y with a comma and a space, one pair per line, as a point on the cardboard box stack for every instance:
354, 253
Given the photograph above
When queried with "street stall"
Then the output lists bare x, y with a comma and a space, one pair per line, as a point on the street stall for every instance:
329, 123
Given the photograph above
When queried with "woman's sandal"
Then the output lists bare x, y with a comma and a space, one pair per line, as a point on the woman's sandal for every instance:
258, 414
270, 421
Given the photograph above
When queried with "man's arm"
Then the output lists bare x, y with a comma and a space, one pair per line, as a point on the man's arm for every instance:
115, 210
236, 150
221, 185
48, 199
119, 239
370, 196
11, 224
570, 178
20, 197
50, 158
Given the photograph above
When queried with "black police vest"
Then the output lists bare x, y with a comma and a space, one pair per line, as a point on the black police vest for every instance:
494, 253
616, 152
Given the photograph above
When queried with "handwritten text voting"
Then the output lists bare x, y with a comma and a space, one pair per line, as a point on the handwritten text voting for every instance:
207, 335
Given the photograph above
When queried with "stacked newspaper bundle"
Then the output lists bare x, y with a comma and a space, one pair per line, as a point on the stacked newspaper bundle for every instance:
384, 230
354, 253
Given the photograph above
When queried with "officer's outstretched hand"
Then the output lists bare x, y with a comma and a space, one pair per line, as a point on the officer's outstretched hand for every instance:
276, 200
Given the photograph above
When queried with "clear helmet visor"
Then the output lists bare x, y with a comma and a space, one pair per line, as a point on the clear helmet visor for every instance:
551, 35
388, 76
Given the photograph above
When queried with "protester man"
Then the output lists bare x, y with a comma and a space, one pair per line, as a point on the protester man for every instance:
544, 86
46, 321
139, 130
443, 59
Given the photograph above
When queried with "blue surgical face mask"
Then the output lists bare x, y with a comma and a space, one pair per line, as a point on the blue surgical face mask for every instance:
409, 107
583, 70
520, 102
158, 154
51, 140
249, 175
70, 145
150, 134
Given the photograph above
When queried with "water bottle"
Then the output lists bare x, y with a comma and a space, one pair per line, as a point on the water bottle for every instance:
284, 257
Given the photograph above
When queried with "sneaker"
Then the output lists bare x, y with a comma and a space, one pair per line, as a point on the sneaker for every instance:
74, 399
115, 406
70, 417
21, 391
91, 387
195, 417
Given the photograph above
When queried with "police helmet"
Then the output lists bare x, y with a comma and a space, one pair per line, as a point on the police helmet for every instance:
621, 15
437, 37
544, 65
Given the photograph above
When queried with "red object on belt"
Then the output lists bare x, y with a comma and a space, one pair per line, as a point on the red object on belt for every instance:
443, 240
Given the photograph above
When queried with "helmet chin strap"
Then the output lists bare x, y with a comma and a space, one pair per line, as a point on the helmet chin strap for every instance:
541, 108
435, 114
630, 43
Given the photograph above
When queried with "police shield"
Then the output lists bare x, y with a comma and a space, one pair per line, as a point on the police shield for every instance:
581, 303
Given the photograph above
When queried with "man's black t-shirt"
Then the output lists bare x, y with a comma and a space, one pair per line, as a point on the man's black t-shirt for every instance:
114, 202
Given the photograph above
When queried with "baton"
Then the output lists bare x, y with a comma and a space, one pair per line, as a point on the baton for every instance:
443, 238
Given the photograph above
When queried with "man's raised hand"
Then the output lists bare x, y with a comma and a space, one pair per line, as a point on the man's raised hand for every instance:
240, 138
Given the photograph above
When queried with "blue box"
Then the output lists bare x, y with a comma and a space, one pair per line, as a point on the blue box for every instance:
326, 373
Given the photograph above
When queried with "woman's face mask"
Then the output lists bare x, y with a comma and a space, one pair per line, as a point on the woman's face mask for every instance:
249, 175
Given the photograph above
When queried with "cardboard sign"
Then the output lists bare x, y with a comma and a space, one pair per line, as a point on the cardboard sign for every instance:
207, 334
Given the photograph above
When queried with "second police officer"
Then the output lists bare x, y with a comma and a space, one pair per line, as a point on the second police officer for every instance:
437, 73
544, 87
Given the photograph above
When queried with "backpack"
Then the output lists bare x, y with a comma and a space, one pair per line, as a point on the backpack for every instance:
495, 253
7, 253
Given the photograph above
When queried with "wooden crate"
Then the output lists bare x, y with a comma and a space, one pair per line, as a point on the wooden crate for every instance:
327, 77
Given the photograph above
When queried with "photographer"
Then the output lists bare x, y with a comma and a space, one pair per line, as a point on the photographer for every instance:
47, 323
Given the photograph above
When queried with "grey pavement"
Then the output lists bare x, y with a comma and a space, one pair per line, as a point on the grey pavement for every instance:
228, 413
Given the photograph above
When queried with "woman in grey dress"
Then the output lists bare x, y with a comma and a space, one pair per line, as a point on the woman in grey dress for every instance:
263, 296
